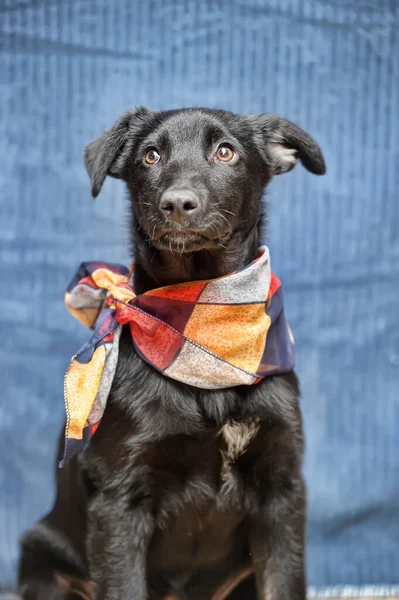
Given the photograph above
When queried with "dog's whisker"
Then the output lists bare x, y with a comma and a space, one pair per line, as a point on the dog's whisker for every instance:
228, 211
223, 217
213, 227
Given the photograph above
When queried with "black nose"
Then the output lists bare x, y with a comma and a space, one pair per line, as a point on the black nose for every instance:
179, 204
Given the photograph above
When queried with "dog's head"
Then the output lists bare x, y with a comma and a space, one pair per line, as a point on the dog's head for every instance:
196, 176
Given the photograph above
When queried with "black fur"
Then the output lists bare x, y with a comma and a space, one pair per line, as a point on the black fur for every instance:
160, 503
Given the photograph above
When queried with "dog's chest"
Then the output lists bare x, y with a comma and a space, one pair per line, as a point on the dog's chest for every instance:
197, 451
214, 466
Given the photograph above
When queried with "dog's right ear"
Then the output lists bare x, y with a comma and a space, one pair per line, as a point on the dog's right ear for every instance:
106, 155
281, 143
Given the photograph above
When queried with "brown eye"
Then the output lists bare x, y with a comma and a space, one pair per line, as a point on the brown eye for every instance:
152, 157
225, 154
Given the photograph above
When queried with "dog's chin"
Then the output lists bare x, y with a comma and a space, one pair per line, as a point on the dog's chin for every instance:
185, 242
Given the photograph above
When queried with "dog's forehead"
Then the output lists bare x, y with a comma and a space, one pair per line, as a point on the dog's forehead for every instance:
191, 126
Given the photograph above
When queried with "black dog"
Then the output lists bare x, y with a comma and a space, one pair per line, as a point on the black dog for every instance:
143, 513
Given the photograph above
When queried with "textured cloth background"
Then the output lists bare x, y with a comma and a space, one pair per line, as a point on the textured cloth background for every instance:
68, 69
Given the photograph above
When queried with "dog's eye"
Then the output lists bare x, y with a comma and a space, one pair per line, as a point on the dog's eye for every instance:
225, 153
152, 157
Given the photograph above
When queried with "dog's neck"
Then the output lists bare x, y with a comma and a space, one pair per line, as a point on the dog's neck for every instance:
157, 268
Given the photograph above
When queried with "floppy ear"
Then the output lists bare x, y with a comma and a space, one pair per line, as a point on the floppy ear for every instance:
106, 155
281, 143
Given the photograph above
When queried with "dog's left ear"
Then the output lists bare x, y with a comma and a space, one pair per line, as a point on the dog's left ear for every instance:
107, 154
281, 143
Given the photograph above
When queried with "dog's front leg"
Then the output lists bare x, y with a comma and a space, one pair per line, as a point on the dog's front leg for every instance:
277, 543
118, 540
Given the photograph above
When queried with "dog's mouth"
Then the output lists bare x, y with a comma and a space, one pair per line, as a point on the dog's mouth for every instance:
189, 240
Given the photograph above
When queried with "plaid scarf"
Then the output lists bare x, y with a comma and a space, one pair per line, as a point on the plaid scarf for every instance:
210, 334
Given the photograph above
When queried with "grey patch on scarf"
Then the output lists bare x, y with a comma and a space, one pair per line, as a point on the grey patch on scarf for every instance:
84, 297
250, 285
106, 380
201, 368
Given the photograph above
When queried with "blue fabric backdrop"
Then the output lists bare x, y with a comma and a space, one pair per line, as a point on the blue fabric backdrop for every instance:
69, 68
